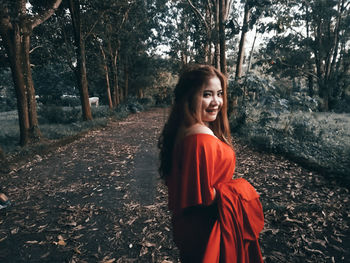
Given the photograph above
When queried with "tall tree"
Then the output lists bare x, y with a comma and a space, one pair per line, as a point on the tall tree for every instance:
318, 52
16, 27
80, 70
245, 27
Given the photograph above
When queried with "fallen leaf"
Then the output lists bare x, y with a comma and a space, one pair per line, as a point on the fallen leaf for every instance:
32, 242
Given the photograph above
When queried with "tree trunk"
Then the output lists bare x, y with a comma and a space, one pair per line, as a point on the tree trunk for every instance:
216, 32
222, 37
80, 72
114, 60
240, 58
34, 130
251, 52
11, 37
105, 69
18, 78
126, 80
208, 55
310, 84
310, 78
140, 93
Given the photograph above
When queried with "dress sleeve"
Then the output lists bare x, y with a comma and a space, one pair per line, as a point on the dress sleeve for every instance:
191, 182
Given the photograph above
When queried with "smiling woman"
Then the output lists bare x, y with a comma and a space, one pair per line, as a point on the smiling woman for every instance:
211, 100
214, 218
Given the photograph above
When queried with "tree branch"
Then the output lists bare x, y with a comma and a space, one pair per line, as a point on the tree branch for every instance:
93, 26
39, 19
32, 50
199, 14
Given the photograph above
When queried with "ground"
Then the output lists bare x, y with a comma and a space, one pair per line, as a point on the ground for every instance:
100, 199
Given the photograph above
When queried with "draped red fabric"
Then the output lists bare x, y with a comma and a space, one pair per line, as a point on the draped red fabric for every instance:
237, 229
206, 230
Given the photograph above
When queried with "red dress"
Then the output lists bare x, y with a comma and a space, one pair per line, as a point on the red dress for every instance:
224, 230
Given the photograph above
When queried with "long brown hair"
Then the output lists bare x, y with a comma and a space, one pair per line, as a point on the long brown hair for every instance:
185, 111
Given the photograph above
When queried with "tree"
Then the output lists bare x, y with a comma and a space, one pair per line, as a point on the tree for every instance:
320, 52
16, 27
80, 70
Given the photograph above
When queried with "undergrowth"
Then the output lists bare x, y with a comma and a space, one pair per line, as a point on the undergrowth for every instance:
58, 122
318, 140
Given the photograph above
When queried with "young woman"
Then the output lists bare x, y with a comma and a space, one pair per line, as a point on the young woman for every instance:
215, 218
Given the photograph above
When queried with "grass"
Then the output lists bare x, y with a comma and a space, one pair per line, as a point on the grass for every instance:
58, 123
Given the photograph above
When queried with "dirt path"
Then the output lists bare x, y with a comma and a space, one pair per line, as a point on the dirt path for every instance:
99, 199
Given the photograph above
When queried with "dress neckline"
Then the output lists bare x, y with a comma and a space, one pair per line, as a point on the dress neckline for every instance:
197, 134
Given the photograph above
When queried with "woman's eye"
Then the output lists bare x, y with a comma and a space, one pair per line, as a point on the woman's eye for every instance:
206, 94
219, 93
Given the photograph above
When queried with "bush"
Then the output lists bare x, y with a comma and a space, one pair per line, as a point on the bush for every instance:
320, 140
56, 114
101, 112
7, 104
342, 106
70, 101
292, 126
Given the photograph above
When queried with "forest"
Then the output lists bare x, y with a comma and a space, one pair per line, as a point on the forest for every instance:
86, 85
287, 62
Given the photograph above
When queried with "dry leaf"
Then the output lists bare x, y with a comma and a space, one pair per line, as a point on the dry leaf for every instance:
61, 243
32, 242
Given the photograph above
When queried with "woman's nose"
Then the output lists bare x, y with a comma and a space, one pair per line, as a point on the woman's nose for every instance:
215, 100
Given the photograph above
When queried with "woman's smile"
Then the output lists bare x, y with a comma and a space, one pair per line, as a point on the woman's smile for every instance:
211, 100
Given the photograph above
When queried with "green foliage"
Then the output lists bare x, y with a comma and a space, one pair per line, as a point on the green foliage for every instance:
7, 104
291, 125
8, 100
53, 80
318, 53
57, 114
317, 139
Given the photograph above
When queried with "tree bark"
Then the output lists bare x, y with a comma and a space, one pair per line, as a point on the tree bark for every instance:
310, 78
113, 54
251, 52
105, 69
34, 130
11, 36
222, 36
216, 39
242, 41
80, 71
126, 79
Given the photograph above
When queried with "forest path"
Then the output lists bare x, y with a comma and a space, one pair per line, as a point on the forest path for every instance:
99, 199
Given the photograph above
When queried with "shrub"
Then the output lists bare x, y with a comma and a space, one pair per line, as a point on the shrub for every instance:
7, 104
70, 101
321, 140
56, 114
292, 126
101, 112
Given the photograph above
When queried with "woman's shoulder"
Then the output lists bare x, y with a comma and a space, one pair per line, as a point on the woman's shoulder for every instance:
197, 129
197, 133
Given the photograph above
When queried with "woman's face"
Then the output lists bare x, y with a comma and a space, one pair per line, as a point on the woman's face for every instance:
211, 100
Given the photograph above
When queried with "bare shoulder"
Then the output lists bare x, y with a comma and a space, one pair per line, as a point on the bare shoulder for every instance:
198, 128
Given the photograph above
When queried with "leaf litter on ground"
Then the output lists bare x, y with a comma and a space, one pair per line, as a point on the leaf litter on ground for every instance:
84, 202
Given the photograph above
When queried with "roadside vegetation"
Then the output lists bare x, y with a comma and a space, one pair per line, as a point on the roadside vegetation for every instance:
59, 122
292, 125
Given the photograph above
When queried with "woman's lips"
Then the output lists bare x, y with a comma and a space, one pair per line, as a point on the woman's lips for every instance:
212, 111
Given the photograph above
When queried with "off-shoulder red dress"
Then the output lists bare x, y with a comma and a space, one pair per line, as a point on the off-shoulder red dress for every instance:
206, 230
